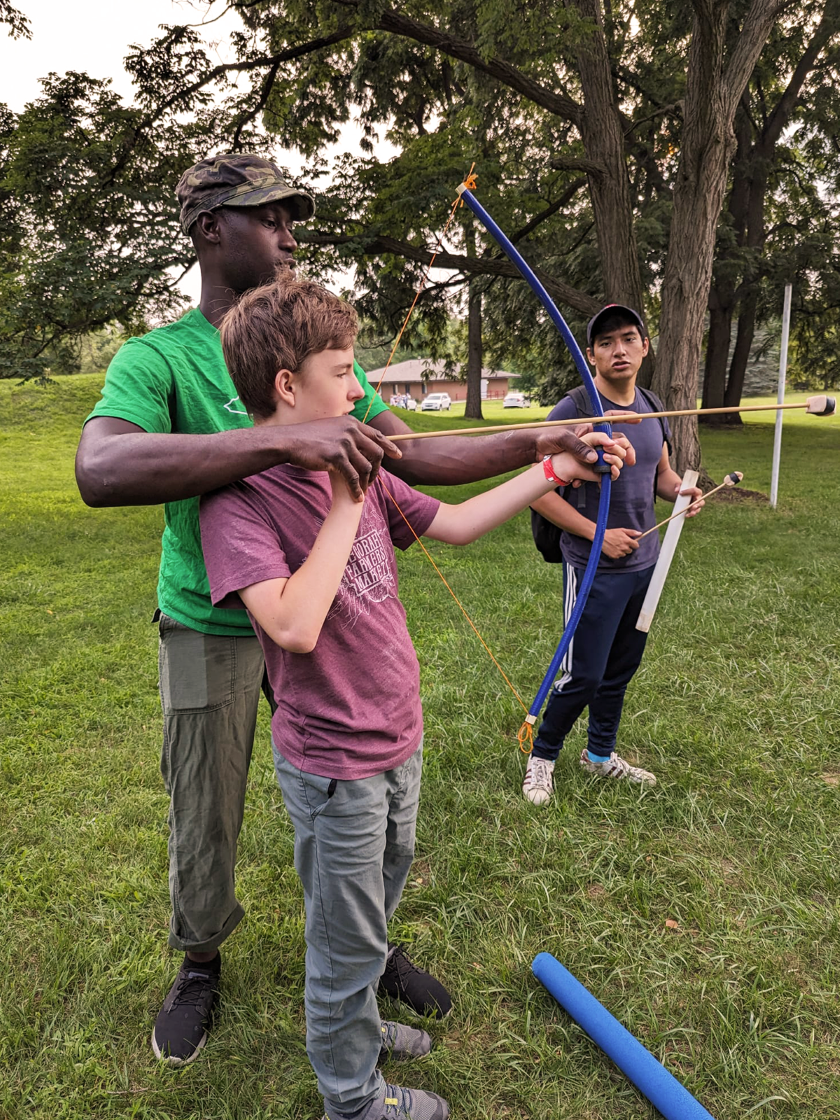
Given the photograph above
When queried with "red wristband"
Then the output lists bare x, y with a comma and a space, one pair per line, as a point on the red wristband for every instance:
550, 474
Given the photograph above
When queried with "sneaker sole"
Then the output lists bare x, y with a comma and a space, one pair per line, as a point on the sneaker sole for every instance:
445, 1115
171, 1060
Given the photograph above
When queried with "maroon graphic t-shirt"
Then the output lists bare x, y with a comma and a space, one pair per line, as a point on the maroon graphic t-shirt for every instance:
351, 708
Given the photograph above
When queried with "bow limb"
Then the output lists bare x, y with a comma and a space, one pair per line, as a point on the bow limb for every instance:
545, 299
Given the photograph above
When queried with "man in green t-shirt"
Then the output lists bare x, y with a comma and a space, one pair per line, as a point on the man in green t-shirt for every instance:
170, 427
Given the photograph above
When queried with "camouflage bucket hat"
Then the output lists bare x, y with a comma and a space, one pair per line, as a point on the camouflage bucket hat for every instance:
237, 180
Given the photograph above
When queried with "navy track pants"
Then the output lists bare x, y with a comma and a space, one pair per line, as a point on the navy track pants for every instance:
605, 653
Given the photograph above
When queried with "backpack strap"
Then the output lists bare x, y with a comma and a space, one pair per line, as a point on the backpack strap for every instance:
583, 408
580, 399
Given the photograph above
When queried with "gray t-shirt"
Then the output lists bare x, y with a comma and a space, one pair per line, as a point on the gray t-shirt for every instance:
351, 708
632, 498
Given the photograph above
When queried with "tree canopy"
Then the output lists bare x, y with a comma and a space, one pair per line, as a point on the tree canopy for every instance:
15, 21
612, 142
88, 223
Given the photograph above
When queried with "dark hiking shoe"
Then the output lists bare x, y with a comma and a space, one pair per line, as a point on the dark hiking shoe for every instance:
404, 981
396, 1103
184, 1020
400, 1042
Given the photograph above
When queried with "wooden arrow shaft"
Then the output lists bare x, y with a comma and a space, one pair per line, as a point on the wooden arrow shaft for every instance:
592, 420
682, 512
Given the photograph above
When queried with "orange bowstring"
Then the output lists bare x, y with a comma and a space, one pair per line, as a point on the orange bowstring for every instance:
526, 732
525, 735
469, 183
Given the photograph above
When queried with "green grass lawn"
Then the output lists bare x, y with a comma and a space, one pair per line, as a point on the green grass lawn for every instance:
735, 709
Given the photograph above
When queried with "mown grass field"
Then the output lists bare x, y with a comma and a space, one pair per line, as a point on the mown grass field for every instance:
735, 709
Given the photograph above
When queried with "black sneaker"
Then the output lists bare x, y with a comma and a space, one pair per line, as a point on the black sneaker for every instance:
404, 981
184, 1020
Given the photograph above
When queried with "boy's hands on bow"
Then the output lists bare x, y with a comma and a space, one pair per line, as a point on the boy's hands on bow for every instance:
618, 452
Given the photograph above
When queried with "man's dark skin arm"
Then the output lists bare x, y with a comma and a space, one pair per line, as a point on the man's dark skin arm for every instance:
450, 460
119, 464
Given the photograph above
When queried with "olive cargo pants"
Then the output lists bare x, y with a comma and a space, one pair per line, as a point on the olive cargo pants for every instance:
209, 689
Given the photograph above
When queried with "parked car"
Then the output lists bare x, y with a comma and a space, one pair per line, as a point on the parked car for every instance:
436, 402
515, 400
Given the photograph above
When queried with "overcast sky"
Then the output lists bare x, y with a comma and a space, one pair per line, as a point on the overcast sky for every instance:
94, 36
85, 35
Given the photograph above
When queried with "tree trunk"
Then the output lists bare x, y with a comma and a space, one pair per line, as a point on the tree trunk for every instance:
708, 143
474, 355
717, 355
602, 131
754, 159
707, 147
722, 295
609, 189
741, 355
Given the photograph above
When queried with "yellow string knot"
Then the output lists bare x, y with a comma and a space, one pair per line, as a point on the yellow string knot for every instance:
525, 737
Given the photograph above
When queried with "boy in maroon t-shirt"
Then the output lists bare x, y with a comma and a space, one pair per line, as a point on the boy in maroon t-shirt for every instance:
316, 572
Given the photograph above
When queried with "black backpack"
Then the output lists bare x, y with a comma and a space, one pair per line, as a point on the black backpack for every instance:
545, 533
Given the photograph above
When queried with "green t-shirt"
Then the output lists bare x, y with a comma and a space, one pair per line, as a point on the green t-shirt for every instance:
174, 379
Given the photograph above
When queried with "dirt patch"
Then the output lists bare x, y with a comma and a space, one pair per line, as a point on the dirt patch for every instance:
738, 494
831, 776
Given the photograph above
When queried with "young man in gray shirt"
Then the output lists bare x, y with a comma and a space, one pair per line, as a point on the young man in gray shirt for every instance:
596, 672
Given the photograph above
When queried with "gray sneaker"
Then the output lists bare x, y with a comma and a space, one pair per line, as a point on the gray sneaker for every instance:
616, 767
396, 1103
400, 1042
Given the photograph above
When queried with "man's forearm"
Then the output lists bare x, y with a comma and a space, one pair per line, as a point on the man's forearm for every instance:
668, 483
146, 468
118, 464
451, 460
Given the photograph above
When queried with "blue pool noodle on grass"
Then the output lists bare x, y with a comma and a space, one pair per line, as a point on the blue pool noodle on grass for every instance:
648, 1075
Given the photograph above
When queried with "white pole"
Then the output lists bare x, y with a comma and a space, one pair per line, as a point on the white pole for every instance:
777, 441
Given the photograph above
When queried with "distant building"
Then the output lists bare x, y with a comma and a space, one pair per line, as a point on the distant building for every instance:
418, 377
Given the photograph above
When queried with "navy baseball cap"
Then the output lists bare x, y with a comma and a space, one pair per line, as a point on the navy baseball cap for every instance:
613, 309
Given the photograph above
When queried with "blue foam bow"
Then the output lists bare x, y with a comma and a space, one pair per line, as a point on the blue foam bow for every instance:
545, 299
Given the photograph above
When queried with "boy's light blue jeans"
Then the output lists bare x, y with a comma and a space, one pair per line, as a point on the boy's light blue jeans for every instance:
354, 845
